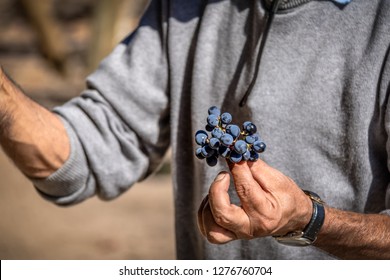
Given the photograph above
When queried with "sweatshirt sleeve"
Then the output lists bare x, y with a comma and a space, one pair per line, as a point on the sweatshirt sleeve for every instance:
119, 126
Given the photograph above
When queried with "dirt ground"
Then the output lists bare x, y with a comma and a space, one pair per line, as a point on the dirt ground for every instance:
138, 225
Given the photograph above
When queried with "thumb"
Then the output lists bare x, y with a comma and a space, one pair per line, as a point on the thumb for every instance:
225, 214
218, 193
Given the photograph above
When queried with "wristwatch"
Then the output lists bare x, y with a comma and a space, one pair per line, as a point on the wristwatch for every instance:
309, 233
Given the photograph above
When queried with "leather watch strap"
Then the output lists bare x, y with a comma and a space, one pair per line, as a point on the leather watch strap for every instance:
317, 219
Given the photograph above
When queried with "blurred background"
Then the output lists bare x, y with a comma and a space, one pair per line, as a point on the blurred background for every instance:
49, 47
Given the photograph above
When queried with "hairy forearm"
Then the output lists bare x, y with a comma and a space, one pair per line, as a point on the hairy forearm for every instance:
349, 235
33, 137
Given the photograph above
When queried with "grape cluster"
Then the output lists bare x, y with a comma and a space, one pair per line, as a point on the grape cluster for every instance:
227, 140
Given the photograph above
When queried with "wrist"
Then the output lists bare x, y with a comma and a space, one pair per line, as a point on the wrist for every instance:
308, 235
306, 208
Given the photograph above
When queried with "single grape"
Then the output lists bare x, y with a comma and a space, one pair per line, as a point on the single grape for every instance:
235, 157
217, 132
245, 124
224, 151
198, 153
212, 161
212, 120
214, 110
214, 143
254, 156
259, 146
201, 137
246, 155
227, 140
207, 151
233, 130
208, 128
250, 139
240, 146
226, 118
249, 127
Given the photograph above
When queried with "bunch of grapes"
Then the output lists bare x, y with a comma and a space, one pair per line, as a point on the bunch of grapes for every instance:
227, 140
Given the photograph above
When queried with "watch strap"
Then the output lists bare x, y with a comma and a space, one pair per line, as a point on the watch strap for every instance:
310, 232
317, 219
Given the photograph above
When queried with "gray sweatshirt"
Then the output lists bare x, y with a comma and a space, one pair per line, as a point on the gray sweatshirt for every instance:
319, 101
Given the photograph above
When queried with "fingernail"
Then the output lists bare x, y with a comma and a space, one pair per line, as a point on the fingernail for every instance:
220, 176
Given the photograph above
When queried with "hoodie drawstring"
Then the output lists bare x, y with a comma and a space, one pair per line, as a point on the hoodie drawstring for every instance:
269, 18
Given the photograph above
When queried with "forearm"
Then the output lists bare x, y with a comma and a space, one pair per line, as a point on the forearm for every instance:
349, 235
33, 137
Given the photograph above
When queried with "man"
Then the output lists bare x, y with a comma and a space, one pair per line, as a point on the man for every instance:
315, 78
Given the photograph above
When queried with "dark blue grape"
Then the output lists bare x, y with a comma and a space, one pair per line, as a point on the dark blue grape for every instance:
250, 139
198, 153
212, 120
214, 110
240, 147
214, 143
217, 132
227, 139
207, 151
246, 155
201, 137
259, 146
224, 151
235, 157
212, 161
254, 156
226, 118
245, 124
209, 128
233, 130
249, 127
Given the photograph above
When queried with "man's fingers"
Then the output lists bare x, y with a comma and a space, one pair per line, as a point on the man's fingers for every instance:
267, 176
209, 228
225, 213
215, 233
241, 172
249, 189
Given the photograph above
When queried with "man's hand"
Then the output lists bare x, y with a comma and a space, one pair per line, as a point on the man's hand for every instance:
271, 204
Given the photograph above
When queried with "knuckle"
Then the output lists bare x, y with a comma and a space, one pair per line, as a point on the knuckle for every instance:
244, 189
224, 217
221, 219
